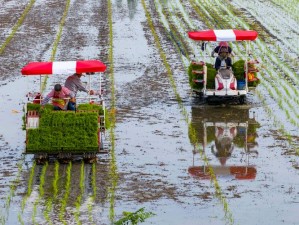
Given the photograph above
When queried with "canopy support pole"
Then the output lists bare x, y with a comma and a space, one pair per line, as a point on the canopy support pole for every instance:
246, 65
89, 87
40, 84
100, 86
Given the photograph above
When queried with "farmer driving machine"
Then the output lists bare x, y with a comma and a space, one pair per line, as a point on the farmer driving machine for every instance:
63, 134
220, 81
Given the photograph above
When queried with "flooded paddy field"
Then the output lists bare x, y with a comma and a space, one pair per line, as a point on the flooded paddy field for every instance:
169, 154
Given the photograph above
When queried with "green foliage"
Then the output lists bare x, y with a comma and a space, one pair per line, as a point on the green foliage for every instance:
238, 69
16, 26
134, 217
64, 131
91, 107
239, 72
211, 73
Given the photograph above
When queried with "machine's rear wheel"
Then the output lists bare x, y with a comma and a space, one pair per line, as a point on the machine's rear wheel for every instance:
242, 100
209, 100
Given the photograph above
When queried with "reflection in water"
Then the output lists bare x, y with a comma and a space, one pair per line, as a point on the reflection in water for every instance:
132, 5
230, 134
119, 3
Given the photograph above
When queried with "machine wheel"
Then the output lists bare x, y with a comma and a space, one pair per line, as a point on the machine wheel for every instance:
208, 100
242, 100
41, 159
199, 95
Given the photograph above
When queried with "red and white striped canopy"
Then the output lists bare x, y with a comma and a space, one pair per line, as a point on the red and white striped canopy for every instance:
64, 67
223, 35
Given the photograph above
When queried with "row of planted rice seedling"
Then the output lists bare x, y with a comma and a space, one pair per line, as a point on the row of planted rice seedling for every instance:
218, 191
42, 178
57, 39
16, 26
92, 197
277, 21
57, 192
80, 196
27, 195
64, 199
177, 40
113, 175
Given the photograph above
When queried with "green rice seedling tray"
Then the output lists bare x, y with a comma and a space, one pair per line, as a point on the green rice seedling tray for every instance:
65, 131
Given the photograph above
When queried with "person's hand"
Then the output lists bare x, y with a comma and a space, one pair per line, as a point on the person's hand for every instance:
91, 92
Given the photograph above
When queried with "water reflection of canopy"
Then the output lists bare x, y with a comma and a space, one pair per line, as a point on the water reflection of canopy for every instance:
223, 35
63, 67
239, 172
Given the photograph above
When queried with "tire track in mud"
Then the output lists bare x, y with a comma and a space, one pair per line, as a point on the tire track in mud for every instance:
184, 113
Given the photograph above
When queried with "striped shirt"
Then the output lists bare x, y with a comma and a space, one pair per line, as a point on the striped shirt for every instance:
74, 84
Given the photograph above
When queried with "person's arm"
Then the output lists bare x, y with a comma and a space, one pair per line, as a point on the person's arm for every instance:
80, 86
47, 98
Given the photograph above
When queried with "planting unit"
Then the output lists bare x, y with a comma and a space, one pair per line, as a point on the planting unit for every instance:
223, 84
61, 134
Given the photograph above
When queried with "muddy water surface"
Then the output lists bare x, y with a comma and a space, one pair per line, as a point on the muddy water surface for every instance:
159, 167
